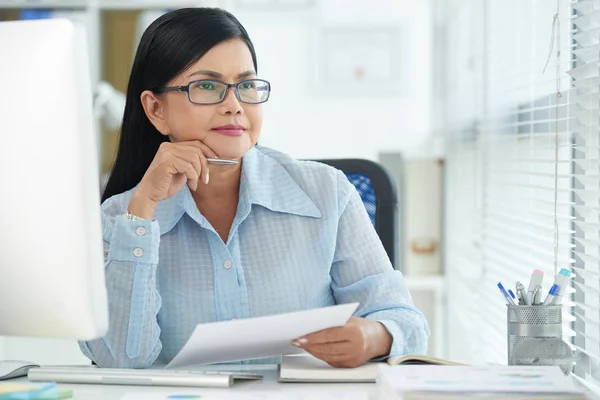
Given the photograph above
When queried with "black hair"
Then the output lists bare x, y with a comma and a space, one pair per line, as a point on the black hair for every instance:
169, 46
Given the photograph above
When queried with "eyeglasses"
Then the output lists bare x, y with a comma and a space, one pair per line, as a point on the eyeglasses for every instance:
209, 91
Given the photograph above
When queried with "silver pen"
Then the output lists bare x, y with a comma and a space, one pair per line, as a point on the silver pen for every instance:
220, 161
522, 294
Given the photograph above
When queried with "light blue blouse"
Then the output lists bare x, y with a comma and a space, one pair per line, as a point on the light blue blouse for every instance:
301, 239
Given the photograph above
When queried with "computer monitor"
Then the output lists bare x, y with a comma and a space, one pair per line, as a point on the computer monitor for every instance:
51, 256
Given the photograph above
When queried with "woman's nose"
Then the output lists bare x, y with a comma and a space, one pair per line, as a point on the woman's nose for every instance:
231, 103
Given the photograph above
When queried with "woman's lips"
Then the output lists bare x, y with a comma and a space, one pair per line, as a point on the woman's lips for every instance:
230, 130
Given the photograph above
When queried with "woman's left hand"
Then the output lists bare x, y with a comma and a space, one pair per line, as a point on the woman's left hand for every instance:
350, 345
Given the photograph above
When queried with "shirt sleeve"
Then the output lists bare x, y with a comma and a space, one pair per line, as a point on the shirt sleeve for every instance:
362, 272
131, 259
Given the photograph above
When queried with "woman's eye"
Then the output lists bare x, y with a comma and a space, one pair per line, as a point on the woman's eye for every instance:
247, 85
205, 86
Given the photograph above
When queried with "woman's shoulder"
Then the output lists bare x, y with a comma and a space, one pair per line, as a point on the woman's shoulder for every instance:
321, 182
304, 170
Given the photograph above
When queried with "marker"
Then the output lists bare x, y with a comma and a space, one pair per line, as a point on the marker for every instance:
553, 291
511, 294
562, 280
536, 279
505, 294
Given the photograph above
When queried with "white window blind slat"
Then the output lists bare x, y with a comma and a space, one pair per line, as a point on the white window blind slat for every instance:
585, 74
587, 38
587, 308
593, 323
586, 227
588, 101
587, 259
587, 179
587, 164
585, 243
588, 54
588, 87
586, 21
590, 290
586, 6
587, 353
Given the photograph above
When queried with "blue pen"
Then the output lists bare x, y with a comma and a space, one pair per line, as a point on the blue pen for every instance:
553, 292
509, 299
511, 294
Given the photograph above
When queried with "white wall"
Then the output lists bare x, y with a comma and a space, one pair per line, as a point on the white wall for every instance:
307, 122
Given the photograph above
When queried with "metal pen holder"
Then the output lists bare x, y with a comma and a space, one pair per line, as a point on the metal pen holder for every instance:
526, 322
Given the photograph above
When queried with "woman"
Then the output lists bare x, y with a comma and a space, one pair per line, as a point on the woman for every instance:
188, 243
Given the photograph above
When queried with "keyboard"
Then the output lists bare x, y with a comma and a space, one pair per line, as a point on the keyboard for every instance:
139, 377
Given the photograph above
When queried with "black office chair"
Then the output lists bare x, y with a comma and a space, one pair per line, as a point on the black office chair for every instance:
378, 193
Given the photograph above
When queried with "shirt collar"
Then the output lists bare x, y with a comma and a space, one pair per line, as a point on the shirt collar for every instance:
267, 183
264, 182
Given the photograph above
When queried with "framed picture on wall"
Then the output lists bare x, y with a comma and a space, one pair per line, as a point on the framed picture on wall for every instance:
360, 62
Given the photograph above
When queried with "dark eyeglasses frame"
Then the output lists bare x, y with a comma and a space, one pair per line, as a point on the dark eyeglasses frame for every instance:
186, 88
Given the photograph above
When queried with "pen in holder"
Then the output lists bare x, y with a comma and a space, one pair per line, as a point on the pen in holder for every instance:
534, 335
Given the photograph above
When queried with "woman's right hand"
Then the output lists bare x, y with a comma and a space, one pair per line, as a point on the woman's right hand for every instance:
174, 165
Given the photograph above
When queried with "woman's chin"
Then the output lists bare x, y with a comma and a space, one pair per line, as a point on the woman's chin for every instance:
232, 151
230, 154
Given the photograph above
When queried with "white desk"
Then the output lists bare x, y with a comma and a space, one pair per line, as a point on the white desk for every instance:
267, 389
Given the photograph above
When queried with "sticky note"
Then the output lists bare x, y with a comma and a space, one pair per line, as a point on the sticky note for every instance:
52, 394
16, 391
16, 387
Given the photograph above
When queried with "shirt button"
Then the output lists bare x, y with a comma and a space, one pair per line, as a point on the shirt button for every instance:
138, 252
227, 264
140, 231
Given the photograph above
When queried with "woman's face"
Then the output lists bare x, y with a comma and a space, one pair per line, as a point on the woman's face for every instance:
229, 128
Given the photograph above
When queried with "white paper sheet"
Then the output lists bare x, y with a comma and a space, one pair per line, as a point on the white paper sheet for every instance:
505, 379
261, 337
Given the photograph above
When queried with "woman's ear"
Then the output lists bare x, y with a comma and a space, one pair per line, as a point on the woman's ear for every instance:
153, 107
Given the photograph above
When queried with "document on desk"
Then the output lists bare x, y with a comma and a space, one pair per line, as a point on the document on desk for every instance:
261, 337
493, 382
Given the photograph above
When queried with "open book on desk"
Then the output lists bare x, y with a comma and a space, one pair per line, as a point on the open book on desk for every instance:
304, 368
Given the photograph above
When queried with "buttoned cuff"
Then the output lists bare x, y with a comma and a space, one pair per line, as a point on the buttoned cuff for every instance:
134, 241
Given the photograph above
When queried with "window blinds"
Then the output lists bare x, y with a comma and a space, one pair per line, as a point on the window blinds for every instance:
586, 189
522, 89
